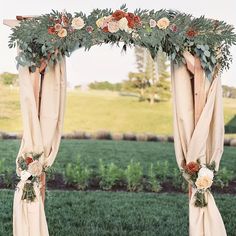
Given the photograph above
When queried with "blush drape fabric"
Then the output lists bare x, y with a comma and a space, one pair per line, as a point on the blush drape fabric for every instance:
202, 141
39, 135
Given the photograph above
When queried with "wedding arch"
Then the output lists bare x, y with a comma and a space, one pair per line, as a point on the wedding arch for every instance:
199, 51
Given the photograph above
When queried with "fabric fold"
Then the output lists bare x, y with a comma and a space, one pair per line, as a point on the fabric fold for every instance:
40, 134
203, 141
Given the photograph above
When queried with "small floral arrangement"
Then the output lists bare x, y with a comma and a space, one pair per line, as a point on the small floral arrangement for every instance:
200, 176
30, 169
64, 24
119, 20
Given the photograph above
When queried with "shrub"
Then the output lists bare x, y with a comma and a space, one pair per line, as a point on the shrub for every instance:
134, 173
152, 180
109, 175
178, 181
163, 170
223, 177
78, 174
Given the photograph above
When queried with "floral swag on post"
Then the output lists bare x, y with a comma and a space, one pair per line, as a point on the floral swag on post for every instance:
30, 168
200, 177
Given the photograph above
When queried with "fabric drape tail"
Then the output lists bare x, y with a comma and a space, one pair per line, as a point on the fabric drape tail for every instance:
203, 141
39, 135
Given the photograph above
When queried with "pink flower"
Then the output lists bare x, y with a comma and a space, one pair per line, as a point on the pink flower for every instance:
89, 29
152, 23
58, 27
174, 28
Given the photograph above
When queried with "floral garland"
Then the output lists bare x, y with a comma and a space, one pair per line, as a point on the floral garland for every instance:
46, 39
200, 177
30, 169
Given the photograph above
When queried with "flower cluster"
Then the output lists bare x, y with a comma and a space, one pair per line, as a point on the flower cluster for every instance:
30, 168
119, 20
162, 23
201, 178
64, 24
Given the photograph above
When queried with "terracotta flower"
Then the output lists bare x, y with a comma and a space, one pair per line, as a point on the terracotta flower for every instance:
118, 14
105, 29
192, 167
62, 33
35, 168
65, 20
137, 20
28, 160
51, 30
163, 23
191, 33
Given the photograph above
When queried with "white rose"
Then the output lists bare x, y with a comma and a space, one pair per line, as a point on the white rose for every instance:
113, 26
77, 23
35, 168
204, 171
24, 175
123, 24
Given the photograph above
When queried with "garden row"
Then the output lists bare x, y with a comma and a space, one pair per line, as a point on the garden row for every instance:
106, 135
159, 177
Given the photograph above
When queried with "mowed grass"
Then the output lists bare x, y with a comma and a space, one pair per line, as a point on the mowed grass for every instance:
103, 110
117, 213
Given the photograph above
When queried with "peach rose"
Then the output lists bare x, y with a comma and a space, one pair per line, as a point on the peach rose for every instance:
163, 23
203, 182
77, 23
35, 168
113, 26
62, 33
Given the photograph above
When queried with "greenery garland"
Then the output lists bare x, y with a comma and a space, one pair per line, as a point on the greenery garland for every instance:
47, 38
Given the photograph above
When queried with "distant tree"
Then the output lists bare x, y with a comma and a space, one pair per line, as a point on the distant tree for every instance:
150, 80
8, 78
105, 85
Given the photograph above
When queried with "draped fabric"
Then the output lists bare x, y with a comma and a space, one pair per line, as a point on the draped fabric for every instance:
203, 140
42, 133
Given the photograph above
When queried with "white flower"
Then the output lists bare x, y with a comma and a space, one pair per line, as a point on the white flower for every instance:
77, 23
204, 171
24, 175
113, 26
123, 24
152, 23
35, 168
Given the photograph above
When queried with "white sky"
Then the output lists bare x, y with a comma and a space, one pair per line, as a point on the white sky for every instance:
106, 63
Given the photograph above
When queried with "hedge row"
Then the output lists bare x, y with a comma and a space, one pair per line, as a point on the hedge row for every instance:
106, 135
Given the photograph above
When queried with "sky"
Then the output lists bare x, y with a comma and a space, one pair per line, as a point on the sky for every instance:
106, 62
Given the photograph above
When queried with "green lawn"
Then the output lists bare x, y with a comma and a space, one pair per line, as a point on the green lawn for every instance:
103, 110
116, 214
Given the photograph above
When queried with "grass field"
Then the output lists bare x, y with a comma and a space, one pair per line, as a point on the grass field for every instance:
103, 110
116, 214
